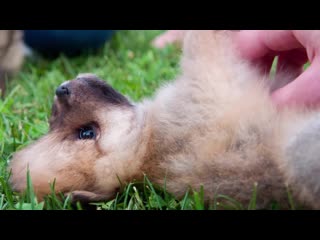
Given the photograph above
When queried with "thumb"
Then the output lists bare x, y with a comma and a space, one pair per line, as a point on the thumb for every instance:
303, 91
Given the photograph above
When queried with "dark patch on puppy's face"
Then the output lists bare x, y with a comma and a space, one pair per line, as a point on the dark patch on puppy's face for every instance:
77, 100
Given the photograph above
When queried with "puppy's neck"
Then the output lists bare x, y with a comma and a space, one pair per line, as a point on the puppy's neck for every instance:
144, 133
147, 150
151, 149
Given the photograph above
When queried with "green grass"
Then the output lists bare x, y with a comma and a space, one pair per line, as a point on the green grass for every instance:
130, 65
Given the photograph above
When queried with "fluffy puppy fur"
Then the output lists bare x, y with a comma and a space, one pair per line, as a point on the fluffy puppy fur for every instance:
213, 126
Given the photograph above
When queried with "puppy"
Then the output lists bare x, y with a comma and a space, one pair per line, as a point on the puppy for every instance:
214, 126
11, 54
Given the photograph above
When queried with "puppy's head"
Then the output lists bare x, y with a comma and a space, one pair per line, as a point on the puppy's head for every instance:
88, 145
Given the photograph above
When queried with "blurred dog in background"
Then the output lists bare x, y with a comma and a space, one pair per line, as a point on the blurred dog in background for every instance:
11, 55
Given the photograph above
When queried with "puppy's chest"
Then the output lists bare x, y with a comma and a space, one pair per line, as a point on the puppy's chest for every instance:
204, 142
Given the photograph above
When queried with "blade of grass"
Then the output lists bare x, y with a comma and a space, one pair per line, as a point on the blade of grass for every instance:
235, 203
153, 191
30, 191
253, 200
185, 198
2, 201
139, 201
127, 195
66, 203
7, 192
199, 199
290, 198
115, 203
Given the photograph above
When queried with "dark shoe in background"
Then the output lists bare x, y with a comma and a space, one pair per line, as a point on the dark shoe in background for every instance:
52, 43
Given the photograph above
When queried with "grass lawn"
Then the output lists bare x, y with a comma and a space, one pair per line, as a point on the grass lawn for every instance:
130, 65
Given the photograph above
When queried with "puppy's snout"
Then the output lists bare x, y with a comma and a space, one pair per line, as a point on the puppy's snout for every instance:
62, 90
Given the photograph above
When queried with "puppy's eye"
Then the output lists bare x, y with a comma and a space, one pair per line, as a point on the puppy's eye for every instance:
87, 133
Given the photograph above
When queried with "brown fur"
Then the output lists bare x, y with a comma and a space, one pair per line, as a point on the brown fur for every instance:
213, 126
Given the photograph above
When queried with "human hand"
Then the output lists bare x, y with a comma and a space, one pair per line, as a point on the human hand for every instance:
294, 48
169, 37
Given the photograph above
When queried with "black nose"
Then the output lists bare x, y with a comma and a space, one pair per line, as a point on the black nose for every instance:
62, 91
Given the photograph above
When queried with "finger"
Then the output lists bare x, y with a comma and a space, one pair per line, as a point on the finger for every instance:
304, 90
255, 44
169, 37
309, 39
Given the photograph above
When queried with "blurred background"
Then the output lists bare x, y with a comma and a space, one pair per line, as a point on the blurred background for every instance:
70, 42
